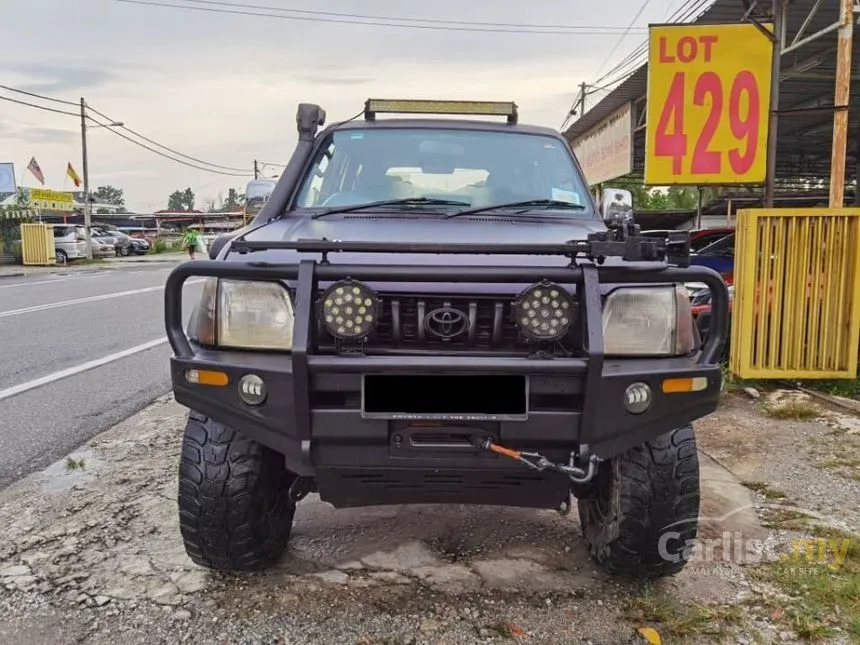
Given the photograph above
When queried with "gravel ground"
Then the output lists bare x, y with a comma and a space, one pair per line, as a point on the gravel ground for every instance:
91, 553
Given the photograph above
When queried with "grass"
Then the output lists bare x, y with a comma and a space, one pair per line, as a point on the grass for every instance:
825, 597
848, 388
765, 490
791, 410
842, 461
72, 464
674, 620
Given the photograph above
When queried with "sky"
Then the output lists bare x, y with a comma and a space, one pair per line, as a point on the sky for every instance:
224, 88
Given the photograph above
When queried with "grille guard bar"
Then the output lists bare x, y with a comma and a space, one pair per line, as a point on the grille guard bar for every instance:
308, 273
674, 249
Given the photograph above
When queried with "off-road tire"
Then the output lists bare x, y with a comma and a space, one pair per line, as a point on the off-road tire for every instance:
639, 496
235, 512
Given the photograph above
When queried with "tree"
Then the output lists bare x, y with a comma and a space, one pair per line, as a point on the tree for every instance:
234, 201
181, 200
110, 195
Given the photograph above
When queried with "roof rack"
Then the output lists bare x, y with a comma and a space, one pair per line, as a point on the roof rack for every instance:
372, 107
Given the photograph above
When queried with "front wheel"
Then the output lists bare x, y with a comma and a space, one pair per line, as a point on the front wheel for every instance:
640, 516
235, 512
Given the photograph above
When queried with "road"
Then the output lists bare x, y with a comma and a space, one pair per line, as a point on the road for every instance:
78, 353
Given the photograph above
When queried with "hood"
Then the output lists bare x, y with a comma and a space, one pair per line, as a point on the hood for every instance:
410, 228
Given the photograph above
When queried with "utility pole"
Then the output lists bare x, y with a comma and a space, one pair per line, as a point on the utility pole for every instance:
87, 214
840, 101
256, 169
773, 120
582, 87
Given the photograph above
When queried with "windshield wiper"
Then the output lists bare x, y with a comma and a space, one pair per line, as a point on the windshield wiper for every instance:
408, 201
530, 203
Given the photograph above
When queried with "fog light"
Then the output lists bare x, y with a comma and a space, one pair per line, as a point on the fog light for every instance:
637, 398
252, 389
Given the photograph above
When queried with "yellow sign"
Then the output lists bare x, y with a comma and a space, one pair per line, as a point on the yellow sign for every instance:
708, 104
51, 200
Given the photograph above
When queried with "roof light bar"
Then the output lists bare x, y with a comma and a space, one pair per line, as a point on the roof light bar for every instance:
372, 107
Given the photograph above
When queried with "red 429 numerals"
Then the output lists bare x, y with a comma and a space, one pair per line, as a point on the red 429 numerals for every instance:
704, 160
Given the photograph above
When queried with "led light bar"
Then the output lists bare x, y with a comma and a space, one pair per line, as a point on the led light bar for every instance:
372, 107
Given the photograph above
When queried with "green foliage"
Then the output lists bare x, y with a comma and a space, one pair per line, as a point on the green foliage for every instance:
110, 195
181, 200
660, 199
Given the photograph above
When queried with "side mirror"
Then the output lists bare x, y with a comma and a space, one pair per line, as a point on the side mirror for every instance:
616, 206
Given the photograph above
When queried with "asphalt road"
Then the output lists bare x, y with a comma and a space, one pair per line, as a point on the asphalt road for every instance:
78, 353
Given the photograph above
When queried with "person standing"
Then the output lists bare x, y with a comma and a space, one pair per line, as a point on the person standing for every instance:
190, 242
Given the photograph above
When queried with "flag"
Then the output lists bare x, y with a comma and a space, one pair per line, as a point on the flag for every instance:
70, 172
33, 167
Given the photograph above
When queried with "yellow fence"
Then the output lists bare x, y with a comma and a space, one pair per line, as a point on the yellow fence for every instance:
37, 244
797, 293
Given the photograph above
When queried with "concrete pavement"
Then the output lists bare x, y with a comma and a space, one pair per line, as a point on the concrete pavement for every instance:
79, 352
19, 270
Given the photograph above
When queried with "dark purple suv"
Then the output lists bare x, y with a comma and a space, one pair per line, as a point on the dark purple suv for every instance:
430, 310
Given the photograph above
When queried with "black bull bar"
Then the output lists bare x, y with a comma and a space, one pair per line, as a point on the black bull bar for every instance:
308, 273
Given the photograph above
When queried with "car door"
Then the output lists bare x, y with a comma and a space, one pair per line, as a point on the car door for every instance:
719, 256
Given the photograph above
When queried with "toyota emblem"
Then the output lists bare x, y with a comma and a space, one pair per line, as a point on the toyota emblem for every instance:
446, 323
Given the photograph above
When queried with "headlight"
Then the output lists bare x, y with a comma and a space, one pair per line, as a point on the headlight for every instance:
349, 309
544, 311
255, 315
648, 321
245, 315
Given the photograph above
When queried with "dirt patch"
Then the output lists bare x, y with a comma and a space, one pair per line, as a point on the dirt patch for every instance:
93, 553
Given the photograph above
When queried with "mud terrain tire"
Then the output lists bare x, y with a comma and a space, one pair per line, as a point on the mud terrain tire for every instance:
638, 497
235, 512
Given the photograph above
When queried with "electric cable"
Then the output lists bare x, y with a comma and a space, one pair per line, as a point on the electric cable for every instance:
155, 143
40, 107
166, 156
586, 31
337, 14
618, 42
39, 96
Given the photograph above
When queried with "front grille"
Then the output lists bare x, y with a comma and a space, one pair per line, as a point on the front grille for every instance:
402, 324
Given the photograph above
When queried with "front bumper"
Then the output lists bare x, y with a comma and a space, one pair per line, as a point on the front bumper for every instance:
313, 414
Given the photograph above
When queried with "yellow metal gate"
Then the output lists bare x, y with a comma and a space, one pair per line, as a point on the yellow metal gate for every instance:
37, 244
796, 311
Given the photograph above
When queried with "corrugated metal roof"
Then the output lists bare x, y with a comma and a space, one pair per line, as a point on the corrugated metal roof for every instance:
805, 138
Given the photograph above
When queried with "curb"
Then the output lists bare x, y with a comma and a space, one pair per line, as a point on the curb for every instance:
108, 265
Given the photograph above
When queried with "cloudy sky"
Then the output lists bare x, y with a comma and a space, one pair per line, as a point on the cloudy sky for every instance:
223, 87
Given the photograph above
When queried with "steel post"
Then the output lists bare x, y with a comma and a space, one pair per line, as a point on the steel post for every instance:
840, 101
773, 120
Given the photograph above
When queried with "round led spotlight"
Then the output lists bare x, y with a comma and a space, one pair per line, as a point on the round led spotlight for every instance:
544, 311
637, 398
252, 389
349, 309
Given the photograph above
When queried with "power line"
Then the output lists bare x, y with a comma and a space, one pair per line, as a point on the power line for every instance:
155, 143
337, 14
628, 66
166, 156
684, 12
624, 35
239, 172
39, 96
595, 31
40, 107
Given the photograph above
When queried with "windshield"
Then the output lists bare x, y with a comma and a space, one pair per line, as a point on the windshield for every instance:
476, 168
